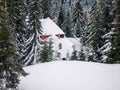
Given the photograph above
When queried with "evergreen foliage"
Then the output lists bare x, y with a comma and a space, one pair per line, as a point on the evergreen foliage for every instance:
67, 25
45, 5
78, 20
44, 56
50, 49
10, 70
74, 55
46, 53
91, 57
114, 56
106, 9
81, 55
17, 18
95, 31
61, 18
33, 32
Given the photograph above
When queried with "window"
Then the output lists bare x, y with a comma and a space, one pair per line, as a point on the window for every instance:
60, 45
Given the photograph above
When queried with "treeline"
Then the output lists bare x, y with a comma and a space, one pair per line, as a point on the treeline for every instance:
100, 33
95, 22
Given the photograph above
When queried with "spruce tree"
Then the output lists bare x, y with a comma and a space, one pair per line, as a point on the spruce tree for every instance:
74, 55
114, 56
17, 13
94, 39
61, 17
55, 8
50, 49
46, 53
44, 56
106, 9
78, 20
10, 70
81, 55
33, 32
45, 5
67, 25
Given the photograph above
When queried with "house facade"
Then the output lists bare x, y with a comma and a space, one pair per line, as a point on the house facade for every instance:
61, 44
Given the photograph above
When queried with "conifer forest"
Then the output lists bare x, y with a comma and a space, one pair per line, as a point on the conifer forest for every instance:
96, 23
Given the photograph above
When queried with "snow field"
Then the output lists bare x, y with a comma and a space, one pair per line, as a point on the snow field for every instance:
71, 75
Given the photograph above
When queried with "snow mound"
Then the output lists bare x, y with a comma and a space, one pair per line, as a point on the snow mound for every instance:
71, 75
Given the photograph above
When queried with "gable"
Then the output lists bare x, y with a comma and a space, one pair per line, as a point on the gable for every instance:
50, 28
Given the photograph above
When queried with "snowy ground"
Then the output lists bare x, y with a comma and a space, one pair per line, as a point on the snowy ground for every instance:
71, 75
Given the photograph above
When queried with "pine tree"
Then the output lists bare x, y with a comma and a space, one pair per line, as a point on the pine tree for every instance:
33, 32
57, 55
106, 9
74, 55
65, 22
61, 18
44, 56
45, 5
50, 49
81, 55
46, 53
67, 25
10, 70
114, 56
78, 20
95, 31
18, 15
55, 8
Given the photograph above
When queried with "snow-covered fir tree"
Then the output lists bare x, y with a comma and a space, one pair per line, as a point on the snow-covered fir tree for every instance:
81, 55
95, 31
78, 20
68, 26
17, 18
46, 53
106, 9
64, 16
44, 56
114, 56
55, 8
45, 6
33, 32
10, 70
50, 49
74, 55
61, 17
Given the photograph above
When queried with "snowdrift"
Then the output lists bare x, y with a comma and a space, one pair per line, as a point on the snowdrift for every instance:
71, 75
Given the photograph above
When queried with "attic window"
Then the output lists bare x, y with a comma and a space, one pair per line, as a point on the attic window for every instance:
44, 37
60, 35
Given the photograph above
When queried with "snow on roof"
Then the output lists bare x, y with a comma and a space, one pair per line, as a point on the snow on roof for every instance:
50, 28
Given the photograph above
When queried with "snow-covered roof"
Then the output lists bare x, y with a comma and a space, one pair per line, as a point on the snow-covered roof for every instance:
50, 28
